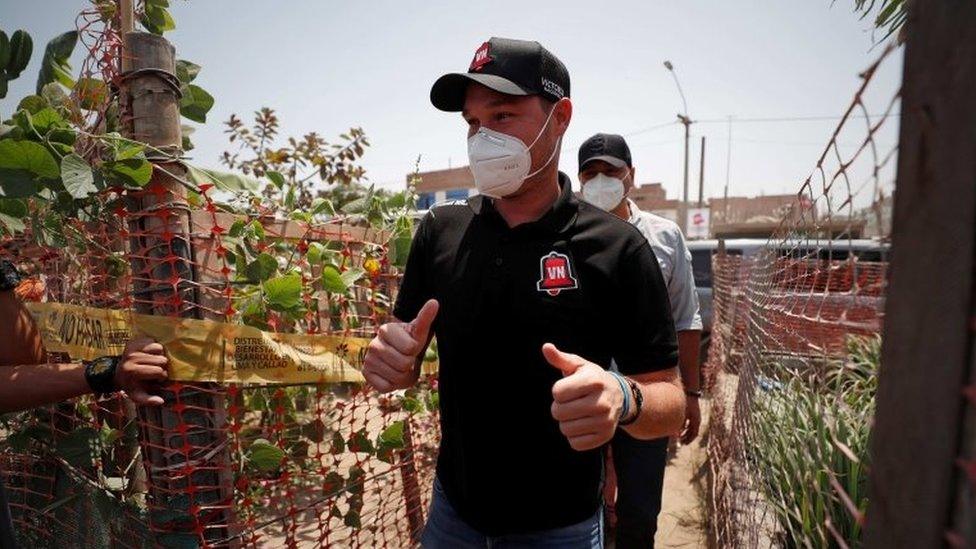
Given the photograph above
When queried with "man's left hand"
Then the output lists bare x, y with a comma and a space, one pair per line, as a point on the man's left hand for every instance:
586, 402
692, 420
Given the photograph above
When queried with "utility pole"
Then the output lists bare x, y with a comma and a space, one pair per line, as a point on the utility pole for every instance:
728, 165
686, 120
701, 177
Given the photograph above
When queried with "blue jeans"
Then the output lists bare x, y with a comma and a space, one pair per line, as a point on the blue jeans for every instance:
639, 465
446, 530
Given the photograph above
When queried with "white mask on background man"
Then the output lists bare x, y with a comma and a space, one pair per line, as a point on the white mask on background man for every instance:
500, 163
604, 192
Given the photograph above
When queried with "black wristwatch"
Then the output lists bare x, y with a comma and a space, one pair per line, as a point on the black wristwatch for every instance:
638, 402
100, 374
9, 276
696, 394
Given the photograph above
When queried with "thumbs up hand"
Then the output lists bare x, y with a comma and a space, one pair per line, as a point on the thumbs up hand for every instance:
391, 358
586, 401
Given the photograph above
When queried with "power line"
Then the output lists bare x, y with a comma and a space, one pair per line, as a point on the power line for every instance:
791, 118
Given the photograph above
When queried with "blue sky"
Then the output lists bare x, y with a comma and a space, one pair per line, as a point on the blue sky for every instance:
326, 66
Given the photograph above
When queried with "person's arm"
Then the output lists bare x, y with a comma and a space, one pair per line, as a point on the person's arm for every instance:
138, 371
395, 356
689, 348
589, 401
21, 342
688, 324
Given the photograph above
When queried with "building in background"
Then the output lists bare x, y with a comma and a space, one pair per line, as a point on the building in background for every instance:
651, 197
443, 185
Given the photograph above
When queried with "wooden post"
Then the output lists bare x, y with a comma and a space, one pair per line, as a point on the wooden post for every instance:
924, 438
193, 436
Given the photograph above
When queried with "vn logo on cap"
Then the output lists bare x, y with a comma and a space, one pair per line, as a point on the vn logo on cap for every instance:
557, 274
481, 57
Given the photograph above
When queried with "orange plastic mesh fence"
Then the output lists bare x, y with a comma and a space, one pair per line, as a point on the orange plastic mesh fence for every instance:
219, 465
792, 368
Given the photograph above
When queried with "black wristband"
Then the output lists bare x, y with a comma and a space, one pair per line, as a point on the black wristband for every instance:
638, 402
696, 394
100, 374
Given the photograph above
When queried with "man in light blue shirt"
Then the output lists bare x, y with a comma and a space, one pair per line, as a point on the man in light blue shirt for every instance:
607, 176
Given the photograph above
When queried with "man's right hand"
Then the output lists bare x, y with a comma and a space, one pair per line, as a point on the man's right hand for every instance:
391, 358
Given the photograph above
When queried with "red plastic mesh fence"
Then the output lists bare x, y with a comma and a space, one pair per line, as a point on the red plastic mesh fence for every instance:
795, 347
219, 465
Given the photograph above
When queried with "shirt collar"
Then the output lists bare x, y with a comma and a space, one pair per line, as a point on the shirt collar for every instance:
635, 213
558, 219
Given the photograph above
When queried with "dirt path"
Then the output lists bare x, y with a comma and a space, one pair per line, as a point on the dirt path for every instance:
680, 523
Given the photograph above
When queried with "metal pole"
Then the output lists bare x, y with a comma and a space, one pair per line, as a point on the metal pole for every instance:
728, 164
683, 210
701, 176
684, 195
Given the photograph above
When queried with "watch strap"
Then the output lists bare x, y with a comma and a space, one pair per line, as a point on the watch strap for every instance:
100, 374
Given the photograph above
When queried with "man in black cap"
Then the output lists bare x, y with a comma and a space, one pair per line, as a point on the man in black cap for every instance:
518, 284
607, 175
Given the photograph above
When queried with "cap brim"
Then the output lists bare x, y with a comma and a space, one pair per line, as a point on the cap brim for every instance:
612, 160
447, 93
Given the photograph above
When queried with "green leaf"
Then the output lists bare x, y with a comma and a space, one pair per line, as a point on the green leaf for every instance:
127, 150
91, 92
352, 519
351, 276
54, 65
186, 71
392, 436
21, 48
236, 228
196, 103
32, 104
231, 182
77, 176
262, 268
276, 178
28, 156
315, 252
18, 183
284, 292
400, 250
359, 442
322, 205
332, 280
4, 51
265, 456
132, 172
46, 120
12, 213
156, 19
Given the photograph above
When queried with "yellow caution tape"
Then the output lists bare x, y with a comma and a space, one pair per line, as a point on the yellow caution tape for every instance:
203, 350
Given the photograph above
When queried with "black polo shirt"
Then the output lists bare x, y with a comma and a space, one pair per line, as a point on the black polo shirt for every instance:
578, 277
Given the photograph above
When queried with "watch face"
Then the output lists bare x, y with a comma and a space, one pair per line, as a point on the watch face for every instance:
101, 366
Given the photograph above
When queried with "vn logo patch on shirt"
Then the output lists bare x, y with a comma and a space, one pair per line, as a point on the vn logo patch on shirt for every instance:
557, 274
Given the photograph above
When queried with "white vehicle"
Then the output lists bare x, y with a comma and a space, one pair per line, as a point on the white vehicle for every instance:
839, 249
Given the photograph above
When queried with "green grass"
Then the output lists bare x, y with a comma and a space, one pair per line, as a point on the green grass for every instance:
809, 434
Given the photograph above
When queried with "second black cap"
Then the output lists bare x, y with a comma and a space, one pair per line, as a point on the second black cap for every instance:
609, 147
513, 67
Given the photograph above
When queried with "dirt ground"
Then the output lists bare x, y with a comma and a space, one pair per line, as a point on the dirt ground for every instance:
680, 523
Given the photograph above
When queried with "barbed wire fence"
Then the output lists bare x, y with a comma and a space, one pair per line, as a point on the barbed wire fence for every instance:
795, 349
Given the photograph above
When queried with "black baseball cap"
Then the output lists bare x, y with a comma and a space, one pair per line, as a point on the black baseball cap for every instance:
609, 147
513, 67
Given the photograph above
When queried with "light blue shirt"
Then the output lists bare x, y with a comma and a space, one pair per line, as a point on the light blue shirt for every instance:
674, 258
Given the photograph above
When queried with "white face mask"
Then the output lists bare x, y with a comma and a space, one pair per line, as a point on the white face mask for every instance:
604, 192
500, 163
